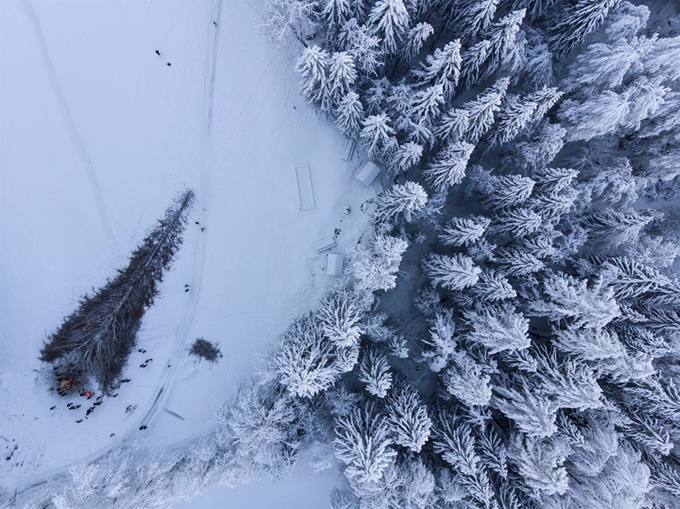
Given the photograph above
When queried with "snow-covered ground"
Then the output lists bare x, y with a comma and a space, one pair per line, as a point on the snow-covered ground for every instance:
97, 135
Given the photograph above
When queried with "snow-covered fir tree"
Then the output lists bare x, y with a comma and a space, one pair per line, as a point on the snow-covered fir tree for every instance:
401, 200
374, 371
305, 361
452, 272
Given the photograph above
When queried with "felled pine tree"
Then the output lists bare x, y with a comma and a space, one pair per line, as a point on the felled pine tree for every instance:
99, 336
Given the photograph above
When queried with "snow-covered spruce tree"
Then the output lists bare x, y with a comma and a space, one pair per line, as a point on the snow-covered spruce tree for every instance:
468, 380
362, 443
452, 125
540, 463
305, 362
335, 14
441, 344
350, 114
498, 328
389, 20
97, 339
426, 104
341, 76
259, 428
454, 442
493, 286
518, 222
571, 302
602, 114
415, 39
575, 21
375, 267
532, 413
509, 191
448, 169
408, 418
512, 118
407, 155
400, 200
374, 371
441, 69
482, 110
313, 67
473, 18
452, 272
287, 20
376, 135
340, 314
464, 231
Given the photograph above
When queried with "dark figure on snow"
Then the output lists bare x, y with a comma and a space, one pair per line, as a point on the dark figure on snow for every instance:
158, 53
142, 428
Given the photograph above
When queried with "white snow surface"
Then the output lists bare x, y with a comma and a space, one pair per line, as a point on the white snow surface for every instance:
97, 136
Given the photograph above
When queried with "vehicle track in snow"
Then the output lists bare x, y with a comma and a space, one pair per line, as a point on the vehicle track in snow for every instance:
67, 117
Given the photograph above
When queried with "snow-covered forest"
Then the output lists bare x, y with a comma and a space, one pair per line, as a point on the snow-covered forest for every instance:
510, 336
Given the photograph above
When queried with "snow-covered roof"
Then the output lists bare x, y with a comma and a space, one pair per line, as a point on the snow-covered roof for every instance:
335, 264
368, 173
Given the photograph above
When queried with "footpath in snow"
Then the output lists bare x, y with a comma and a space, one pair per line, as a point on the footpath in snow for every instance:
97, 135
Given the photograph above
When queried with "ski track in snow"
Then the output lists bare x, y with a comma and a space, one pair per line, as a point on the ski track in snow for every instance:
77, 140
182, 336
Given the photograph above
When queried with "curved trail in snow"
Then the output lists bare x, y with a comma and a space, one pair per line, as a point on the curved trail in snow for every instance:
168, 378
74, 134
166, 384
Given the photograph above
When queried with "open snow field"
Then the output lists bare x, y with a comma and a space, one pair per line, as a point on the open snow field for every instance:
97, 136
